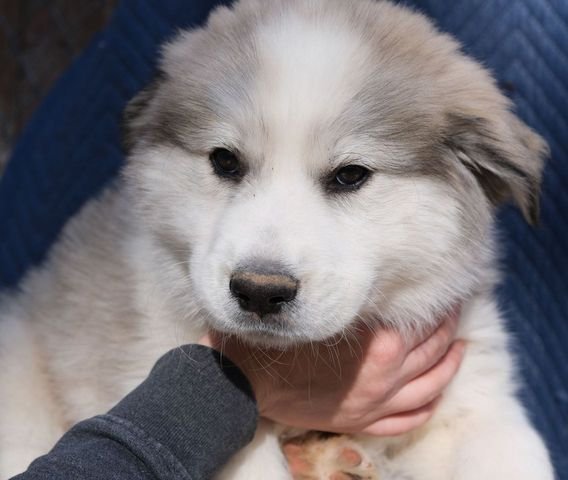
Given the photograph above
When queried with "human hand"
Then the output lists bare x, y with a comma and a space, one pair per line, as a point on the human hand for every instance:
375, 383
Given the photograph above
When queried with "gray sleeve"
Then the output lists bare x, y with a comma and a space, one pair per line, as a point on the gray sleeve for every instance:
193, 412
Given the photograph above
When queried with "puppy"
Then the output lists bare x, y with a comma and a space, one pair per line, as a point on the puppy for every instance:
296, 166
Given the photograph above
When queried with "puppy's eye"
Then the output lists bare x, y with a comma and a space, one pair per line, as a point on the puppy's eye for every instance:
225, 163
350, 177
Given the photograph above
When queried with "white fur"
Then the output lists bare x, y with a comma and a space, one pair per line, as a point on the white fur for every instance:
146, 267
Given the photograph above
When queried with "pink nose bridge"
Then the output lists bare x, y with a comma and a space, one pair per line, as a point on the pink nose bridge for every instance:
262, 292
266, 279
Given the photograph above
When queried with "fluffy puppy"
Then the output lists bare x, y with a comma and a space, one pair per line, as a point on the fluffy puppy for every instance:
297, 166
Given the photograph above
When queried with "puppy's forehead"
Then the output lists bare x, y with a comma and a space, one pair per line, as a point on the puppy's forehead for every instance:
308, 74
300, 74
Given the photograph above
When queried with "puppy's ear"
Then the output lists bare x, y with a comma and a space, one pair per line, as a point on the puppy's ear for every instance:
135, 116
505, 156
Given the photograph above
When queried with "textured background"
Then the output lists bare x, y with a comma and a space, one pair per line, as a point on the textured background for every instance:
70, 150
38, 39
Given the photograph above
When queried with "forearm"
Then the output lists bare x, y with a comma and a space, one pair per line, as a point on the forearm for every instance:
186, 420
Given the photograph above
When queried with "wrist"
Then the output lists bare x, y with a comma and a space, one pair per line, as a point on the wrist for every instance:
264, 395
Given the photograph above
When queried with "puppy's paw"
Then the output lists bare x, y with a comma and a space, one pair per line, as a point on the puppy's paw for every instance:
317, 457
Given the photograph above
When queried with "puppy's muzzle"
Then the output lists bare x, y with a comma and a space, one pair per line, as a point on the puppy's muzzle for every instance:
263, 292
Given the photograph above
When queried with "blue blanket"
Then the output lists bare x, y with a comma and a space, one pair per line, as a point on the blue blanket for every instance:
71, 149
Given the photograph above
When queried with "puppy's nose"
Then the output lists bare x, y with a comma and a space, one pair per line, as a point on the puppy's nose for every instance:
261, 292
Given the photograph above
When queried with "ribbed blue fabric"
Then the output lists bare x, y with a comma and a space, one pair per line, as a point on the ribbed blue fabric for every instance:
71, 149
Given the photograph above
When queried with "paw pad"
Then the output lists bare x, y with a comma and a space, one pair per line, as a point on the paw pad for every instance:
316, 457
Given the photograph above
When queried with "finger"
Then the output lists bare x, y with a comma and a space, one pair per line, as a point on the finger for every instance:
206, 340
428, 353
214, 339
220, 342
403, 422
448, 318
422, 390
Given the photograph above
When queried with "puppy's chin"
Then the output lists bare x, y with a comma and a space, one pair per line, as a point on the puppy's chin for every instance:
270, 340
267, 337
269, 332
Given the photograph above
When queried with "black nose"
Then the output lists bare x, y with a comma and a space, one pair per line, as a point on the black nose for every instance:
261, 292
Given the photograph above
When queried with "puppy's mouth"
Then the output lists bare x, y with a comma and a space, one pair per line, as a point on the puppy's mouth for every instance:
273, 334
270, 331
